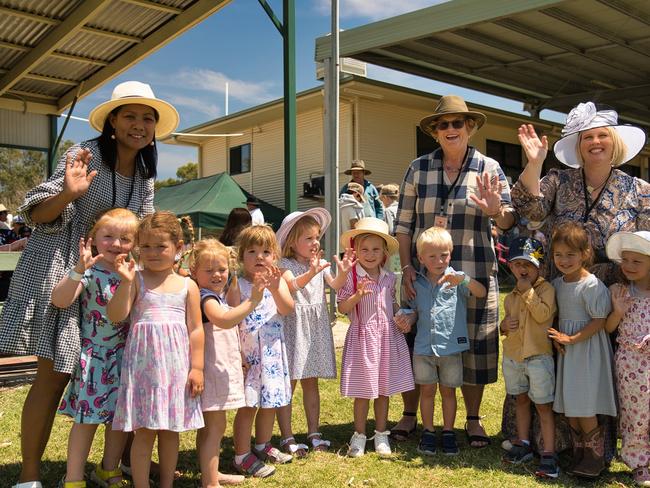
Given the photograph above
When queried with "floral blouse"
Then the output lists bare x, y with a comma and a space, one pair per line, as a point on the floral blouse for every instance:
623, 205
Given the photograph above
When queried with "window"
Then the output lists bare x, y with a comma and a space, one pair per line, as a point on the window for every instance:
507, 155
425, 143
240, 159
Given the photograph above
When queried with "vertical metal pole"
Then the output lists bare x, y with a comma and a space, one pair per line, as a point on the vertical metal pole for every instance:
331, 138
51, 158
289, 43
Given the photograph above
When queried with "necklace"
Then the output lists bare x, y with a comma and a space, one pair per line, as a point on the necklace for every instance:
592, 189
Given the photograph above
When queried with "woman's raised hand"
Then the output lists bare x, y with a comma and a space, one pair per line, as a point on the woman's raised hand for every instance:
77, 179
489, 194
125, 268
86, 258
534, 147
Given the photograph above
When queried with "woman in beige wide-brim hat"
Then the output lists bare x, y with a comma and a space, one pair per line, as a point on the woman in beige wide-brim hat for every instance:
458, 188
117, 169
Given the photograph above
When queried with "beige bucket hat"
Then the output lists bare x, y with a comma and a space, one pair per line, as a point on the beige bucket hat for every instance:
450, 105
358, 165
141, 93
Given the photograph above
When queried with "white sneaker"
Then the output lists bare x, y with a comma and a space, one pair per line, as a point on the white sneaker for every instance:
357, 445
382, 446
28, 484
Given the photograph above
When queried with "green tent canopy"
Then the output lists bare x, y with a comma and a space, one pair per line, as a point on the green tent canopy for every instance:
209, 200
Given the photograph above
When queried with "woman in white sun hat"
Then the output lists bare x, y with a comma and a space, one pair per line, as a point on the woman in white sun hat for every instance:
116, 169
592, 190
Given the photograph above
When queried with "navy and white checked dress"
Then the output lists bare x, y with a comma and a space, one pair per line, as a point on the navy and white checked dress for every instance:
29, 324
471, 231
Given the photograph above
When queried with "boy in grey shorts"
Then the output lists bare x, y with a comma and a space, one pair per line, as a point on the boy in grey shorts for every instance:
528, 367
441, 313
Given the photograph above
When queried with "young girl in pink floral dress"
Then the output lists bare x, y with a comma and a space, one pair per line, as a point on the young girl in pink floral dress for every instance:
631, 315
162, 370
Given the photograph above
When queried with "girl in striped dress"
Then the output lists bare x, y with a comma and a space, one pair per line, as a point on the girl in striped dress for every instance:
376, 360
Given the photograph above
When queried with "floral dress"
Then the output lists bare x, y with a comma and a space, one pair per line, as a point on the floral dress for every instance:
267, 383
92, 393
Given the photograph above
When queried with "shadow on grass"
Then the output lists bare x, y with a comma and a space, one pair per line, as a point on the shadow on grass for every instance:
51, 472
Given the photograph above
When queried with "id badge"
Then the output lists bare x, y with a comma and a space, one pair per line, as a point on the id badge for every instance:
441, 221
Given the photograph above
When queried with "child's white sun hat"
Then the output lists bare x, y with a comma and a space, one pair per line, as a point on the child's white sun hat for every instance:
628, 241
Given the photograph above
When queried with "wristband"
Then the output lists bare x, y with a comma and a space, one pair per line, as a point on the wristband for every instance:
294, 284
74, 276
407, 266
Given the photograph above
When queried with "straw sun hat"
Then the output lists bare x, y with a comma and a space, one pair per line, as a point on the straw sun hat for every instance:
358, 165
450, 105
586, 116
141, 93
628, 241
370, 225
320, 215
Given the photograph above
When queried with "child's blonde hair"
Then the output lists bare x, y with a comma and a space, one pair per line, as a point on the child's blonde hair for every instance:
211, 248
390, 191
121, 217
257, 235
436, 236
303, 224
162, 221
575, 237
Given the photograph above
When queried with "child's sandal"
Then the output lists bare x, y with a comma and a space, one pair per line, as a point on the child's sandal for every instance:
253, 466
289, 445
102, 478
318, 444
66, 484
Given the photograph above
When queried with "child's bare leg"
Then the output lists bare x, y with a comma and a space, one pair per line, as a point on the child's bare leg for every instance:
284, 416
79, 443
311, 402
381, 413
243, 427
208, 444
547, 421
264, 425
361, 406
523, 416
427, 397
449, 405
114, 441
126, 454
168, 457
587, 424
141, 456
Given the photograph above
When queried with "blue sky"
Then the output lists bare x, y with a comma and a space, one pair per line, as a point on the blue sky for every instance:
241, 46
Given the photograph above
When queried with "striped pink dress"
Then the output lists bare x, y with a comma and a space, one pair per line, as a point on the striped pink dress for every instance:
375, 356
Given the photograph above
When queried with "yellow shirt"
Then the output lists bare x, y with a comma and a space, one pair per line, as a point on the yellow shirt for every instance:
535, 310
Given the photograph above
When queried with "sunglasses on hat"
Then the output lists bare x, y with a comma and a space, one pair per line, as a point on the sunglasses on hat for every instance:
456, 124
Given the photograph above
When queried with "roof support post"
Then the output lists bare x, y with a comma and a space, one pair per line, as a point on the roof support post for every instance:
331, 139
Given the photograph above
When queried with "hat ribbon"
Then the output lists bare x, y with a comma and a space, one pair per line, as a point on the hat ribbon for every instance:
586, 116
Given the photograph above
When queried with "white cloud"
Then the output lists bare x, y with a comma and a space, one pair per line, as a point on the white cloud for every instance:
374, 9
215, 82
202, 106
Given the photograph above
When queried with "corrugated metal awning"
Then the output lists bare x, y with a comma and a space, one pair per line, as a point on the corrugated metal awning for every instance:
549, 54
51, 50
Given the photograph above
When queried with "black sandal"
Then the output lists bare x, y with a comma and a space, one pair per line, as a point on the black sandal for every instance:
476, 437
401, 435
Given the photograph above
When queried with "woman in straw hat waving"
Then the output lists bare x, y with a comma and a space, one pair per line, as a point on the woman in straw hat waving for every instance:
458, 188
117, 169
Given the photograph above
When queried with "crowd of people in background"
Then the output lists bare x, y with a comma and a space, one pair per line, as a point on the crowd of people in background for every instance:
150, 351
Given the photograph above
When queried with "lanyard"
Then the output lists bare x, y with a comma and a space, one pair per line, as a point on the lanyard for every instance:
446, 191
590, 205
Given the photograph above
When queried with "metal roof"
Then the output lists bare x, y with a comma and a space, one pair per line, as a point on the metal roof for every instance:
549, 54
52, 50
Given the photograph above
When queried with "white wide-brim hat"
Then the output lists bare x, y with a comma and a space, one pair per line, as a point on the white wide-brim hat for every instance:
136, 92
320, 215
370, 225
628, 241
585, 117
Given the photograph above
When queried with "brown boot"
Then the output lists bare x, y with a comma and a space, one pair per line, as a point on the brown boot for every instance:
593, 458
578, 446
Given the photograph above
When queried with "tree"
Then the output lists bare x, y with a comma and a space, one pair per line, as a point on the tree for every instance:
189, 171
20, 171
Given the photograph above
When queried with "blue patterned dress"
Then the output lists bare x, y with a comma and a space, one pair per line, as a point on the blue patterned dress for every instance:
92, 393
267, 383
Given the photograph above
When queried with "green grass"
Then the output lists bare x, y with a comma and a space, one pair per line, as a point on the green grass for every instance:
480, 468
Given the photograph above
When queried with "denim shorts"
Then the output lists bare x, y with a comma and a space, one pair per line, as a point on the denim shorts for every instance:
446, 370
534, 375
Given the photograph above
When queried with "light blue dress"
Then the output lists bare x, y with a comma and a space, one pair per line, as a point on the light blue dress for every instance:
585, 375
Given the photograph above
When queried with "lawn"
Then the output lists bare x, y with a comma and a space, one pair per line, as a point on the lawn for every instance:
407, 468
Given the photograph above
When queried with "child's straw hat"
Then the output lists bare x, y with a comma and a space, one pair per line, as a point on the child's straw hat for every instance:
370, 225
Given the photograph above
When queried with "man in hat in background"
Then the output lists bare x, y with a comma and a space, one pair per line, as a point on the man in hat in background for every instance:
253, 206
358, 172
3, 217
